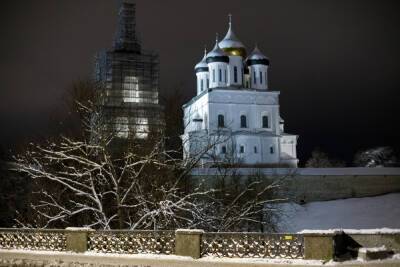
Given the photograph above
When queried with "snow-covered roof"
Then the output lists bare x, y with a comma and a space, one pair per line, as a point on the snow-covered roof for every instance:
256, 57
217, 54
230, 40
202, 65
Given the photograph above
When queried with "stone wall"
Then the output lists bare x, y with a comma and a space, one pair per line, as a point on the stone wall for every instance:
306, 184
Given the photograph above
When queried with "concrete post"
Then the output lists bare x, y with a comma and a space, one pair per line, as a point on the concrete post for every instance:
77, 239
319, 246
188, 243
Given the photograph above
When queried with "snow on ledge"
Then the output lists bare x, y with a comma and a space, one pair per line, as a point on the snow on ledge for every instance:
80, 229
189, 231
376, 231
376, 249
362, 171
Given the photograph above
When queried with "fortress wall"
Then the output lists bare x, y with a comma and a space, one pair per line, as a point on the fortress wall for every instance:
319, 184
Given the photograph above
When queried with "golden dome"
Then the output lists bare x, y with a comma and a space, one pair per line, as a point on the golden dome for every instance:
235, 51
231, 44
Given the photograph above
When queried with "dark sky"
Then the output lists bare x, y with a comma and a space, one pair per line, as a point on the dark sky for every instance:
336, 63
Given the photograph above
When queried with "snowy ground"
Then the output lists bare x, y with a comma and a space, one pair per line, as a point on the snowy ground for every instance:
47, 258
353, 213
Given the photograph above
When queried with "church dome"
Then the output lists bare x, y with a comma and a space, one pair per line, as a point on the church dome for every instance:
217, 54
257, 58
231, 44
202, 65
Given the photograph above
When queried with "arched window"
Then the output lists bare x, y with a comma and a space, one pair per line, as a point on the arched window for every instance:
201, 85
235, 74
208, 83
265, 122
223, 150
255, 150
241, 149
255, 79
221, 121
271, 150
220, 75
243, 121
261, 79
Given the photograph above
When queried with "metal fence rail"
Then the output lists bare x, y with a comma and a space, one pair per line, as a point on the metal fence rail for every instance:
33, 239
252, 245
132, 242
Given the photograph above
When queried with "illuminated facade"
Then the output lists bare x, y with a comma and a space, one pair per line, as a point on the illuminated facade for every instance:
235, 117
129, 77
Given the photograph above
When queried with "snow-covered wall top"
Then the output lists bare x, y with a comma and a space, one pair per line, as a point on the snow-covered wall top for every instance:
377, 231
306, 171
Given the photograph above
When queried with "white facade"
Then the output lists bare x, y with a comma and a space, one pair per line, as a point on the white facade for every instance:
235, 118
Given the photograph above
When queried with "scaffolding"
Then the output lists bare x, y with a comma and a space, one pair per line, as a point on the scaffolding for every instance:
129, 78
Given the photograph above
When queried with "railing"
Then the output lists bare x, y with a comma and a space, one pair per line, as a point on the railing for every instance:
252, 245
33, 239
132, 242
316, 245
182, 242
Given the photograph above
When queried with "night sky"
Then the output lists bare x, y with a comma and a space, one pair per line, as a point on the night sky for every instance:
336, 63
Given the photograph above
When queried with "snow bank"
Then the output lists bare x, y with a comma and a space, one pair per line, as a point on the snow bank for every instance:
374, 215
376, 231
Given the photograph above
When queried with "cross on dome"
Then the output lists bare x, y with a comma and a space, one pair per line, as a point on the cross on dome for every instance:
231, 44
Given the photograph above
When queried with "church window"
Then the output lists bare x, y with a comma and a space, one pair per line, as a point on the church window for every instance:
243, 121
261, 79
255, 79
265, 122
208, 83
225, 76
220, 75
241, 149
214, 75
223, 149
221, 121
271, 150
201, 85
255, 150
235, 74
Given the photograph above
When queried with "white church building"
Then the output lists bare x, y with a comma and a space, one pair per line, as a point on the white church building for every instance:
235, 118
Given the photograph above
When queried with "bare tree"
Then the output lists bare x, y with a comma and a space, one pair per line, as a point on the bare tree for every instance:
244, 204
376, 157
79, 182
86, 186
320, 159
238, 202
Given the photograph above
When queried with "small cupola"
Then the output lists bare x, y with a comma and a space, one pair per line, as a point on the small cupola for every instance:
217, 54
258, 65
202, 65
257, 58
